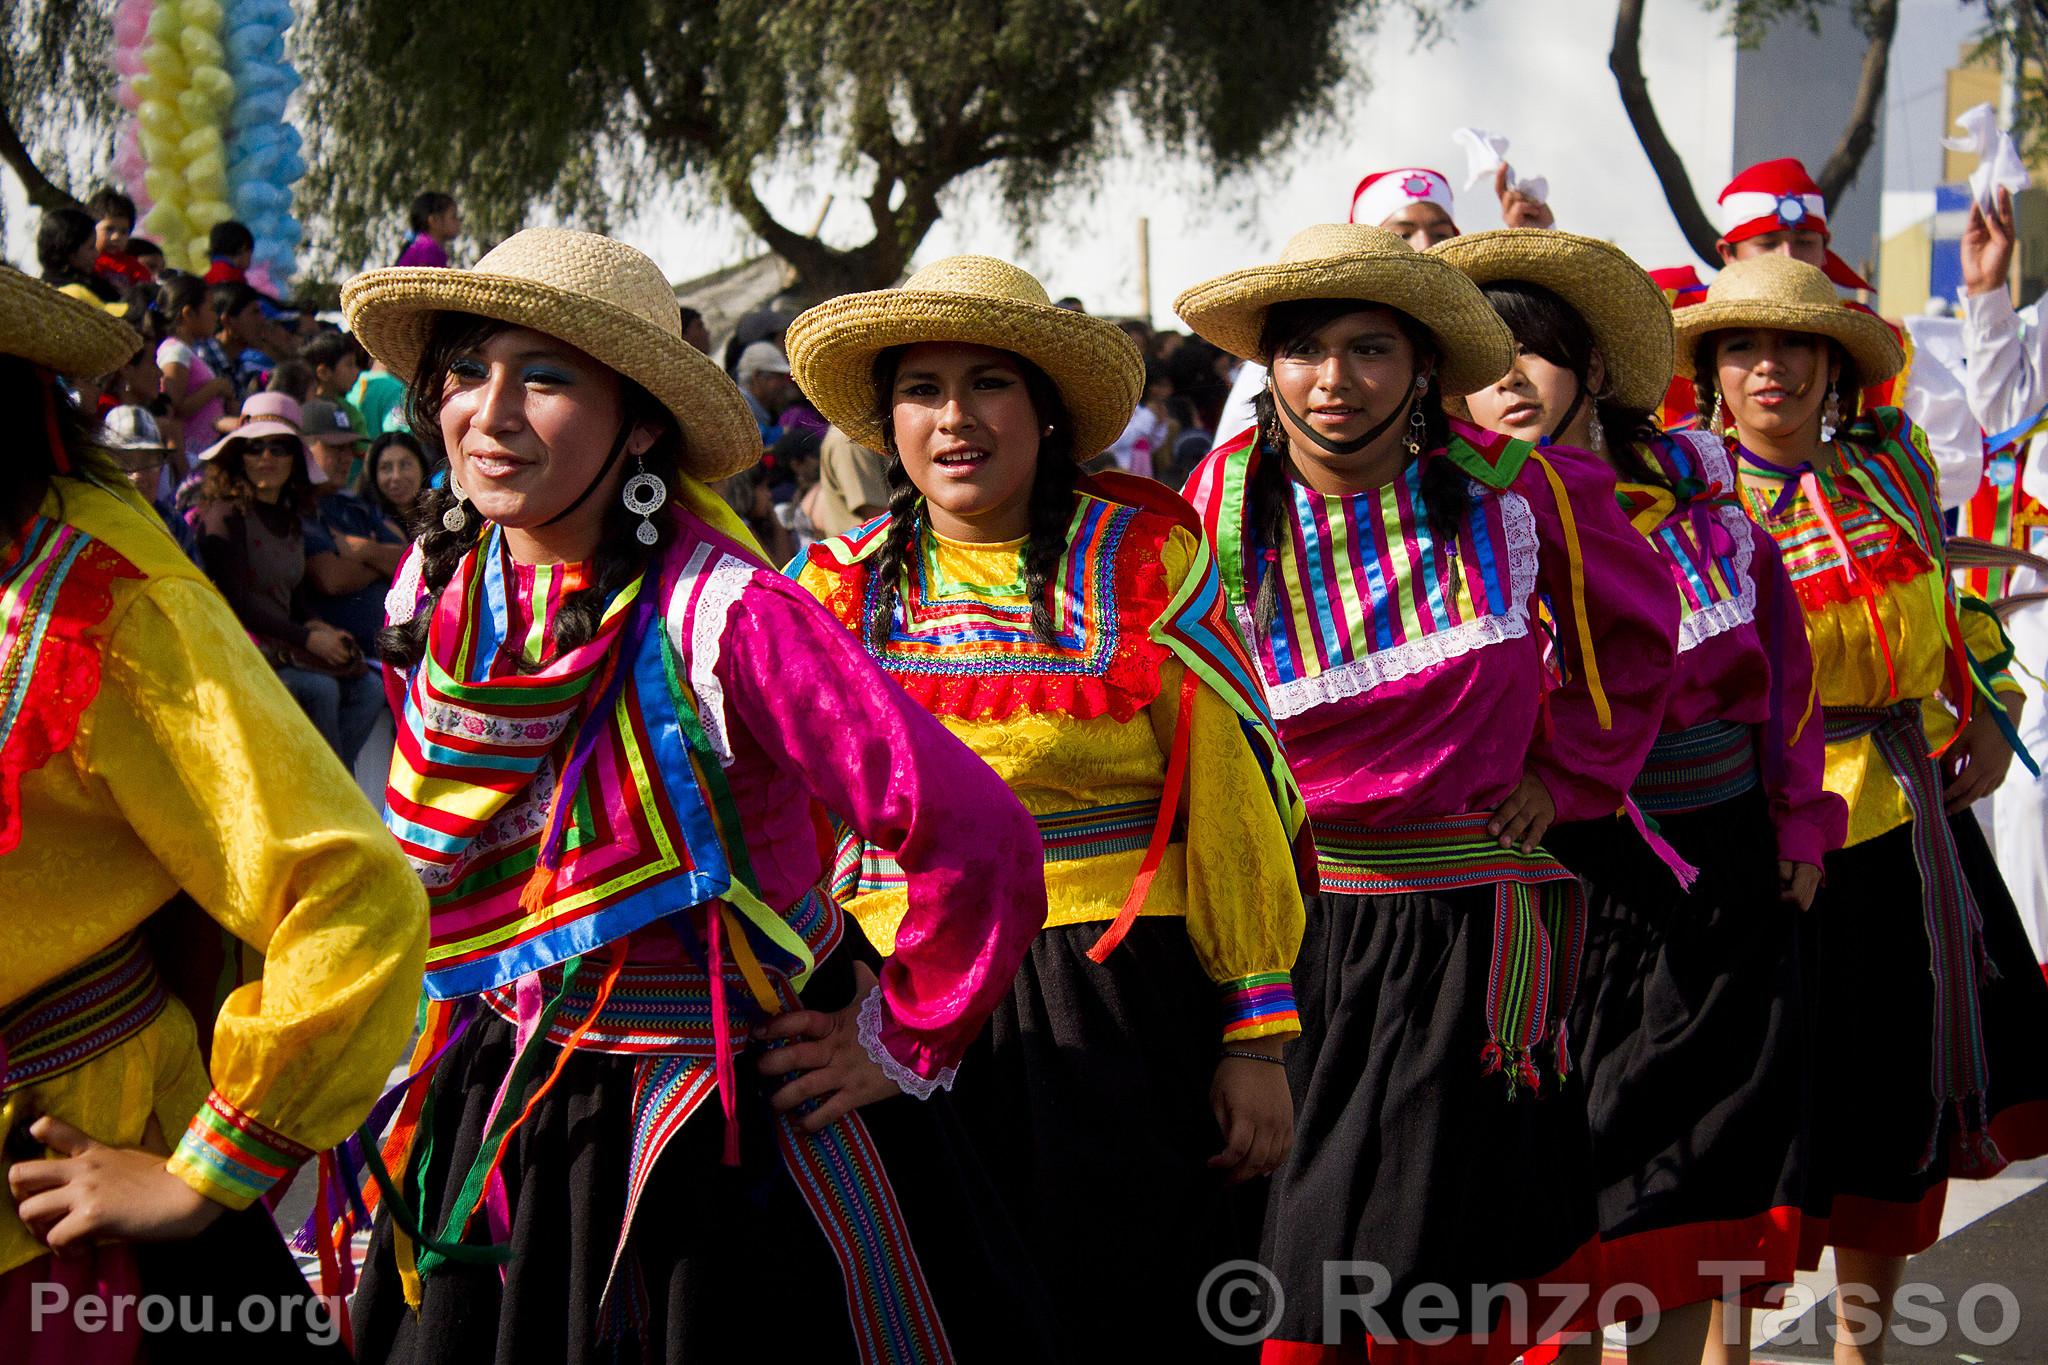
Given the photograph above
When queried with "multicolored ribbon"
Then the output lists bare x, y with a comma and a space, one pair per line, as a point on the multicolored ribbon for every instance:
1958, 960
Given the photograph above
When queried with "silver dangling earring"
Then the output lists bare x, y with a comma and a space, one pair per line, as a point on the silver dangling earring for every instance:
1830, 415
1596, 437
457, 516
644, 495
1417, 423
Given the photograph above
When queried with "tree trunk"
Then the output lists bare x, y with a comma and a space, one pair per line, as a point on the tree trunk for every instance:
1625, 61
42, 192
824, 271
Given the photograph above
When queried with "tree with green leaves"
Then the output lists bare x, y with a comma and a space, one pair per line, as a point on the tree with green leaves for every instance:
518, 105
2017, 36
56, 96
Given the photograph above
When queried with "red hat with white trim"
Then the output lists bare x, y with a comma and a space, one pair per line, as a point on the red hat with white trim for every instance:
1383, 194
1779, 196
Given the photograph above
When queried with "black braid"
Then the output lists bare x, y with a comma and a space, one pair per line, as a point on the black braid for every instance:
905, 504
620, 557
1051, 509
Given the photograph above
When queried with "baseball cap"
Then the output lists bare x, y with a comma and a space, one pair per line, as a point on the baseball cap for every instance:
331, 422
762, 357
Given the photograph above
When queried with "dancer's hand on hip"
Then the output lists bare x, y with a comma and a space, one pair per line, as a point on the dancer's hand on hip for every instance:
833, 1073
89, 1192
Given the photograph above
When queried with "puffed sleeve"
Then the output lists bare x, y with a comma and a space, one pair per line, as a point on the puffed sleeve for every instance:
1987, 641
1617, 626
812, 698
1810, 820
1244, 907
234, 792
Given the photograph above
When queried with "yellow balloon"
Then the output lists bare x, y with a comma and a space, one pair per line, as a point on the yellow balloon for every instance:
207, 169
175, 196
165, 20
205, 213
166, 224
198, 111
215, 84
199, 254
200, 141
159, 117
168, 64
150, 86
157, 150
204, 14
200, 47
162, 184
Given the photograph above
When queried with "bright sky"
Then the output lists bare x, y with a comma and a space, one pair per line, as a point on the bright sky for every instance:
1534, 70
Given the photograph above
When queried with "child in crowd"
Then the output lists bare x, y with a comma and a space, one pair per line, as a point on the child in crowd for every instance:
66, 250
199, 398
232, 248
113, 215
336, 364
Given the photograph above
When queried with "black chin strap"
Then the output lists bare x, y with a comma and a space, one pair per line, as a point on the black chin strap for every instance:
1357, 443
1571, 414
618, 449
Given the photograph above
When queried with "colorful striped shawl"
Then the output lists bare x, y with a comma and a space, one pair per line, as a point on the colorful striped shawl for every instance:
1699, 529
55, 590
518, 876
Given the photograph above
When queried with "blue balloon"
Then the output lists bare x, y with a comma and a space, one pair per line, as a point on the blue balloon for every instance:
258, 106
247, 43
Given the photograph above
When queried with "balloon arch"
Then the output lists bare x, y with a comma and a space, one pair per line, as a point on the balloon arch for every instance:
207, 82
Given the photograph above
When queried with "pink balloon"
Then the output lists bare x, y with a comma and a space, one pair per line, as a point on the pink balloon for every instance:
128, 61
125, 96
129, 168
260, 278
131, 30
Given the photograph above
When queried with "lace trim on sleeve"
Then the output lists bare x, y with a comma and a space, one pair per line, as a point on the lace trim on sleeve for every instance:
713, 590
870, 1035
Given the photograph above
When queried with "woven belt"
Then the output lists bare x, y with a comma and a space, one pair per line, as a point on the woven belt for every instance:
1961, 1074
860, 869
1539, 922
67, 1022
1698, 767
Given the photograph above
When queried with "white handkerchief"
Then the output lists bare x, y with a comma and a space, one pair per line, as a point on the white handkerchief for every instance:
1484, 153
1998, 165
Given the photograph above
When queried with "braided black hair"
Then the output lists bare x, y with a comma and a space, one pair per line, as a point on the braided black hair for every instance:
1051, 507
1269, 497
620, 556
33, 396
1546, 325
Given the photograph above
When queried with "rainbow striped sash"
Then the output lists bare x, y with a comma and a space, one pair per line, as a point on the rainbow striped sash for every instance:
1961, 1073
1539, 922
1697, 767
81, 1014
861, 869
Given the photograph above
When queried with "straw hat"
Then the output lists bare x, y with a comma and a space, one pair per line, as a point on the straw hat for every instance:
981, 301
1351, 261
48, 328
600, 296
1630, 321
1785, 295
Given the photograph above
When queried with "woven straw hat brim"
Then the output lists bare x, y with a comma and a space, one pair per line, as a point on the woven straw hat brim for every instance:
391, 312
1475, 346
49, 328
1630, 321
1870, 344
832, 350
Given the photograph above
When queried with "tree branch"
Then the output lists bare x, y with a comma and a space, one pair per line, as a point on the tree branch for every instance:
43, 193
1626, 62
1847, 158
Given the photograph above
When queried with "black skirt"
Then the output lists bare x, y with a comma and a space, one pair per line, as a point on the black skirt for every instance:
1873, 1004
1088, 1094
1408, 1158
725, 1263
1690, 1036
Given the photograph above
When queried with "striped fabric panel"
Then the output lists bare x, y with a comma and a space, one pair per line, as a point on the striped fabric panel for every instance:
66, 1022
234, 1154
1803, 538
1699, 767
1258, 1005
861, 869
1364, 574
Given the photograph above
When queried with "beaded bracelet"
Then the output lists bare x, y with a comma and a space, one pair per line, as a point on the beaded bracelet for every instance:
1251, 1056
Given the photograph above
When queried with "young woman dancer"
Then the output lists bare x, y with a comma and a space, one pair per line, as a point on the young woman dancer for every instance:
1067, 630
618, 734
1691, 1038
1928, 1009
1385, 562
158, 786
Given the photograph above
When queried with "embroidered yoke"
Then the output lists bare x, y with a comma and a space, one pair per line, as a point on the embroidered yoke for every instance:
1142, 687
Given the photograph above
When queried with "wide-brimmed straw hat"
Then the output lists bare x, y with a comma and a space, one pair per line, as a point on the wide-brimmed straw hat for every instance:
49, 328
1623, 307
1785, 295
980, 301
265, 414
1372, 265
598, 295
